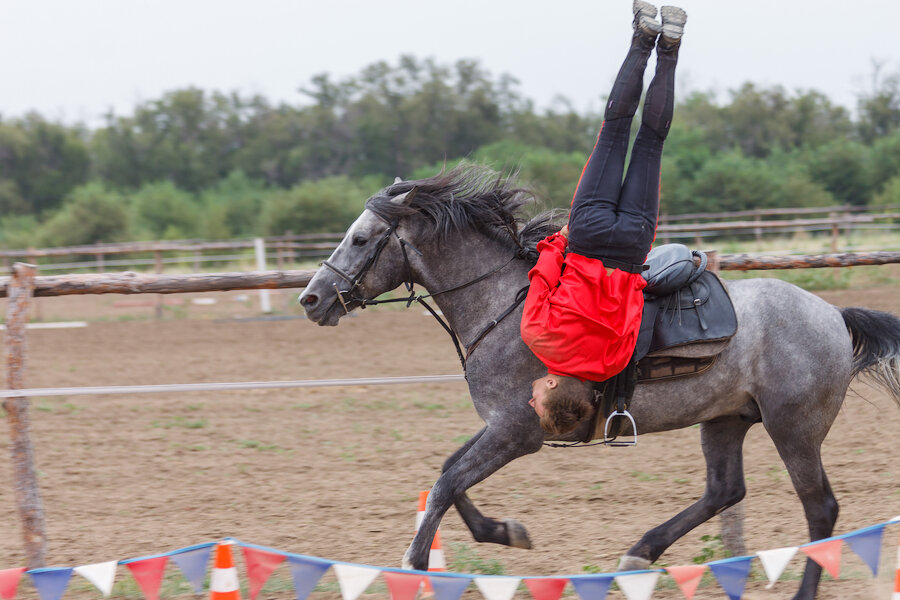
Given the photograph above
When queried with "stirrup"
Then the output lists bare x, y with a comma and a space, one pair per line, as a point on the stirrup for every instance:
612, 441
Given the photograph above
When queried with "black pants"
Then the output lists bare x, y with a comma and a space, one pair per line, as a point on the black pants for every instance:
610, 219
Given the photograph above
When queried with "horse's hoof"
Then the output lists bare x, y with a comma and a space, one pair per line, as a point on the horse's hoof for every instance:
518, 535
633, 563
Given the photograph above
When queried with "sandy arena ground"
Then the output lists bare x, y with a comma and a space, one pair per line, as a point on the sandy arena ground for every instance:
335, 472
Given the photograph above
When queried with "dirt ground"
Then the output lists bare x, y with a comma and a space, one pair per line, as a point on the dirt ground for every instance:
335, 472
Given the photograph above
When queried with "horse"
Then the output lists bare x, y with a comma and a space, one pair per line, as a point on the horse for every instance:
463, 237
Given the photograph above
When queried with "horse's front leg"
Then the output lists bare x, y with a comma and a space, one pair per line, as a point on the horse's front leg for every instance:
508, 532
487, 452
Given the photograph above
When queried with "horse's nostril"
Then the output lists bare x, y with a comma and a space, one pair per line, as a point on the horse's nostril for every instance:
309, 300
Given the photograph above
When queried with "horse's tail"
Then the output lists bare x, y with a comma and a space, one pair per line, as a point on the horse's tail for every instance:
876, 346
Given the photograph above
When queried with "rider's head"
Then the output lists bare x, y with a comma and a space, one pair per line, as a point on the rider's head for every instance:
561, 402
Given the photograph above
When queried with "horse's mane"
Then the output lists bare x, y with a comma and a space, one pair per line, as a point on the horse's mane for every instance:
471, 197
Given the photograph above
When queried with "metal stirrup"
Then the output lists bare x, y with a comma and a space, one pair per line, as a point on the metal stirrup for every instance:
612, 441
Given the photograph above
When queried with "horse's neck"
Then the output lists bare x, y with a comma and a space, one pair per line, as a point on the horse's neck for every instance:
469, 309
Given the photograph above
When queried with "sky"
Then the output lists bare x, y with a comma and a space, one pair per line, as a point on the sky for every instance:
76, 60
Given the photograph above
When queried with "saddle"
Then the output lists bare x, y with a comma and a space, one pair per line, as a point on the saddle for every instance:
688, 320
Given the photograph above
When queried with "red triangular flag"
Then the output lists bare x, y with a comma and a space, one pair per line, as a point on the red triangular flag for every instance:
827, 554
260, 565
546, 588
148, 574
9, 581
403, 586
687, 578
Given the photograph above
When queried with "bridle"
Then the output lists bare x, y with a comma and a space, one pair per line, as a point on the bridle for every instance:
350, 295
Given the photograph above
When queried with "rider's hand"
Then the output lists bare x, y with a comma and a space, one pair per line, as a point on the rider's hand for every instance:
565, 231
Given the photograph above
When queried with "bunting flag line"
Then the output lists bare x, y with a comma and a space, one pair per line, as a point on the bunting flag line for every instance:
688, 578
193, 562
638, 586
448, 588
306, 574
827, 554
9, 582
354, 579
102, 575
403, 586
731, 574
546, 588
594, 587
148, 574
867, 545
497, 588
775, 561
50, 583
260, 564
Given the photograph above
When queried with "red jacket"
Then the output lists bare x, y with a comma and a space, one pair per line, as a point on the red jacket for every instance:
581, 321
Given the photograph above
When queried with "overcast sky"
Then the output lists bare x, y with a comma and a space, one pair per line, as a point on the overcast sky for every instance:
76, 59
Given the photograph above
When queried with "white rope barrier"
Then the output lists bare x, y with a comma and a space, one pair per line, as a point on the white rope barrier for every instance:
227, 386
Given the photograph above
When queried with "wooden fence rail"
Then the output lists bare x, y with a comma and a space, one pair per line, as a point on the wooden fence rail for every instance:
159, 283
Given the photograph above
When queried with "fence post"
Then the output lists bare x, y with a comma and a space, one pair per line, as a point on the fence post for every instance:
28, 499
259, 245
158, 267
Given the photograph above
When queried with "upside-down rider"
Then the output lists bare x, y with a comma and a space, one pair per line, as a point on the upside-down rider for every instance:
583, 310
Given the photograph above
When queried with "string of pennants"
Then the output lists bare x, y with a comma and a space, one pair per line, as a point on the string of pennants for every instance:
353, 579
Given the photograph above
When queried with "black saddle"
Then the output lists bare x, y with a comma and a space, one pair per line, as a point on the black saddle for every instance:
687, 321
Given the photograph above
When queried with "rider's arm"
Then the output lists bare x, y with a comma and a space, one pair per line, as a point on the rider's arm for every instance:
545, 274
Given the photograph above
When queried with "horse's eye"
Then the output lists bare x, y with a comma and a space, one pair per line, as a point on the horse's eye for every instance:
359, 241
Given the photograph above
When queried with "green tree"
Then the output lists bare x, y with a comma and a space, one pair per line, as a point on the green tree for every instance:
162, 211
40, 162
842, 167
327, 205
89, 214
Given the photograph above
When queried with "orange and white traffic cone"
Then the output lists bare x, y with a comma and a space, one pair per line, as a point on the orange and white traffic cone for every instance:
436, 561
223, 582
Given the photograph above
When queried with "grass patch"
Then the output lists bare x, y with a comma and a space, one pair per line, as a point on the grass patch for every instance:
257, 445
642, 476
464, 559
180, 422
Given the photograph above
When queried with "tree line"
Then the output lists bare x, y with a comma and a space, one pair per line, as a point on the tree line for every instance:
198, 164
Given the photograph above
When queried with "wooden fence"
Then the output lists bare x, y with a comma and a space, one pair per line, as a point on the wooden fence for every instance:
286, 251
23, 284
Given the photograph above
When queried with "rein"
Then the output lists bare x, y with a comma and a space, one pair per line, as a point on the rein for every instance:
349, 296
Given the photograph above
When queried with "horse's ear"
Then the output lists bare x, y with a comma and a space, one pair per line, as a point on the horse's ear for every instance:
397, 180
405, 197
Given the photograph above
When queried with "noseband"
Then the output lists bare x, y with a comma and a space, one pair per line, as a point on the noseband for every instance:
350, 295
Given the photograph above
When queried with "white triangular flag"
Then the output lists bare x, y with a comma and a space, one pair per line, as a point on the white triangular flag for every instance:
498, 588
638, 586
895, 519
101, 575
354, 580
774, 562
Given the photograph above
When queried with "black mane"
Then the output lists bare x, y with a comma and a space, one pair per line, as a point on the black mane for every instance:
471, 198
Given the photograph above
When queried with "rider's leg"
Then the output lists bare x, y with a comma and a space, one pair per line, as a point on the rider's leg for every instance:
639, 202
597, 193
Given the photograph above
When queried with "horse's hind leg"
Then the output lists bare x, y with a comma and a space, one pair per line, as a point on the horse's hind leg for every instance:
722, 441
485, 529
803, 461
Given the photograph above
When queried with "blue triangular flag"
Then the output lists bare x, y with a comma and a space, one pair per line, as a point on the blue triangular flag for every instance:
306, 574
193, 564
50, 583
448, 588
731, 574
867, 545
592, 588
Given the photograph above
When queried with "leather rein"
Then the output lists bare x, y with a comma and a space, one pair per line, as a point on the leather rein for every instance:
350, 295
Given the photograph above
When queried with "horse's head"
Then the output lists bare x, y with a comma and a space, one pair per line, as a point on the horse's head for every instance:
373, 258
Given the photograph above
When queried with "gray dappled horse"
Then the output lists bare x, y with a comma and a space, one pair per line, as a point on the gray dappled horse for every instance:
788, 366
